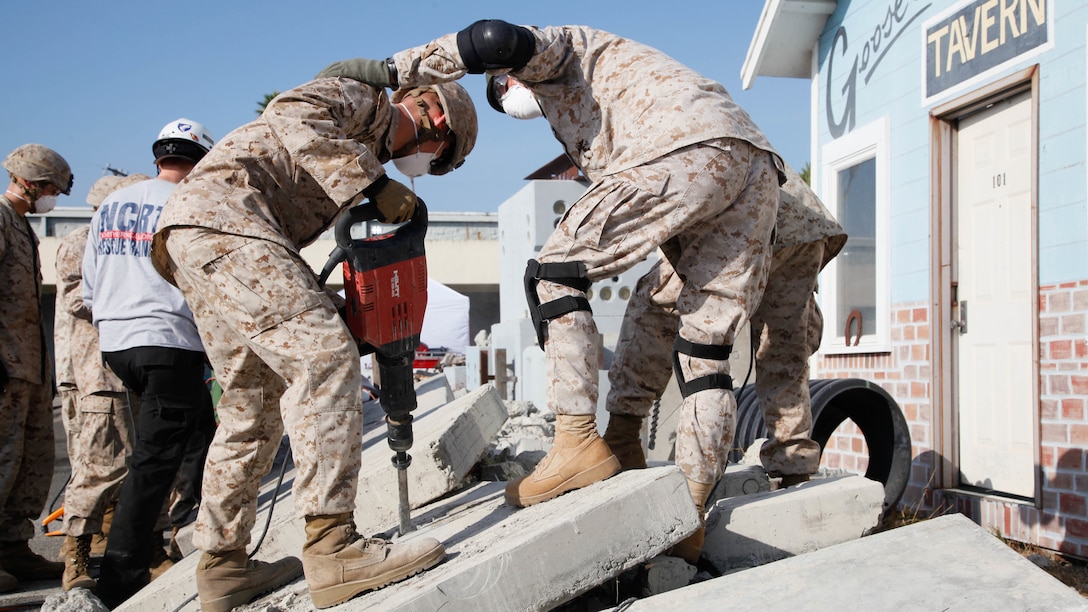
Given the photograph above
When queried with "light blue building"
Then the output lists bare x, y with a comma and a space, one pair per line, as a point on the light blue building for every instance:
949, 139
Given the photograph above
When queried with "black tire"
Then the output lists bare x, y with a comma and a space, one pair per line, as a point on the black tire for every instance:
834, 400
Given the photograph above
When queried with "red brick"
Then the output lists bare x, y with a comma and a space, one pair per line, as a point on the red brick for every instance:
1068, 547
1078, 434
1048, 409
918, 315
1058, 384
1060, 349
1072, 504
1073, 408
1071, 459
1055, 433
1073, 324
1048, 326
917, 389
856, 445
1080, 349
1059, 302
1060, 481
1076, 527
1080, 300
1046, 456
902, 316
850, 463
1079, 384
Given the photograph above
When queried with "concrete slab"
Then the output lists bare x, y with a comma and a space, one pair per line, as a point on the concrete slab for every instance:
431, 393
502, 558
450, 437
946, 563
752, 530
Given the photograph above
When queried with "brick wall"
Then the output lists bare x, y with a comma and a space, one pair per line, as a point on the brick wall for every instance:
1061, 523
905, 373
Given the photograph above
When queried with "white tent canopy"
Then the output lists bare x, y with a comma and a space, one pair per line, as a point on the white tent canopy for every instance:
445, 324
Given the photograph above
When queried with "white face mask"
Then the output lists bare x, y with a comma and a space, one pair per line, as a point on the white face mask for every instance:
520, 103
45, 204
418, 163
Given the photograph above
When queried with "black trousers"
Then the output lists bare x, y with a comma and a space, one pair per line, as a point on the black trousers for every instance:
175, 408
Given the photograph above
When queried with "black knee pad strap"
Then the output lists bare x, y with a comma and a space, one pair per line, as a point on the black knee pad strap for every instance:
570, 274
700, 351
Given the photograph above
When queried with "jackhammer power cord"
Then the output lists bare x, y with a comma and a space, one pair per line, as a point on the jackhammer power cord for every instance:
267, 521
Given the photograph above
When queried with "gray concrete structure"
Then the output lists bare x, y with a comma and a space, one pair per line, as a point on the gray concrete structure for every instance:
946, 563
752, 530
501, 558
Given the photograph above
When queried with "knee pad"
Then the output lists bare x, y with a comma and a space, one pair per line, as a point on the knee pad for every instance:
715, 352
570, 274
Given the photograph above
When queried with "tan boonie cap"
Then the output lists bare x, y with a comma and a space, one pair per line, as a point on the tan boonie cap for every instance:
35, 162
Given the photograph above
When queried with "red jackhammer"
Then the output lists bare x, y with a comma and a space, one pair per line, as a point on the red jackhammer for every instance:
385, 284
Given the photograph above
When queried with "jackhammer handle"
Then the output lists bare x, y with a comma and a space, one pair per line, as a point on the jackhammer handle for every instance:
368, 211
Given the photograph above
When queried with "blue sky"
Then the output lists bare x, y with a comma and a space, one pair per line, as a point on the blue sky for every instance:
97, 80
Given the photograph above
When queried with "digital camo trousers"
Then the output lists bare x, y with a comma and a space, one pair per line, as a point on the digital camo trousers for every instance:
790, 325
26, 456
711, 209
100, 438
280, 351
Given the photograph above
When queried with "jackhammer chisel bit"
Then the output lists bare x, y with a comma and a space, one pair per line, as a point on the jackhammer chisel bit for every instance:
398, 400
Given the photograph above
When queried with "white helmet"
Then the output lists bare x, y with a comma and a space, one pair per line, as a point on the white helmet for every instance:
183, 138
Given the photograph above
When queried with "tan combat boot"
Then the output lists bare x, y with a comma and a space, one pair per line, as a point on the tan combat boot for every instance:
340, 563
578, 458
160, 562
228, 579
18, 560
98, 542
691, 548
624, 436
76, 574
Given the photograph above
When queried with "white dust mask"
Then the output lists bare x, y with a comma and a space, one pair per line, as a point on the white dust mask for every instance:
520, 103
45, 204
418, 163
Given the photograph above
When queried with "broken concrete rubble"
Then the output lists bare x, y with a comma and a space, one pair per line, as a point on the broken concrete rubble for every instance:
586, 550
945, 563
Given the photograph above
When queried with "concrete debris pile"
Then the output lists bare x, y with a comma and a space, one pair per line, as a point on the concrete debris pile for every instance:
595, 548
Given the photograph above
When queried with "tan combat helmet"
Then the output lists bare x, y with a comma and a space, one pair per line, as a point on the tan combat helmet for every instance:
35, 162
108, 184
460, 117
102, 188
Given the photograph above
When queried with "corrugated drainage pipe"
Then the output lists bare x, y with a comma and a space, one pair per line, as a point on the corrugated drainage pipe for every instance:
834, 400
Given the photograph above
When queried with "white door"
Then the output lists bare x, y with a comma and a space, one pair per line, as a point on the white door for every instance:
994, 262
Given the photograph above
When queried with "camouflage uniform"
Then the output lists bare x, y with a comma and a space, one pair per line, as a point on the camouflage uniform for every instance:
788, 319
95, 408
229, 238
26, 403
675, 164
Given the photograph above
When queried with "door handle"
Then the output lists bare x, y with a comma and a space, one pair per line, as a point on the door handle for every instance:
961, 323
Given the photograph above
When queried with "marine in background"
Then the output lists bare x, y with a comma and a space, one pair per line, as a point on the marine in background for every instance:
37, 175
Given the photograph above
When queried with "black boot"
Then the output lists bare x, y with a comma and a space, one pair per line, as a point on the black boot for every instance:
120, 577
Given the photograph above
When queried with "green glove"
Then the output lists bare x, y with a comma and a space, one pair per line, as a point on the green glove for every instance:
396, 203
382, 73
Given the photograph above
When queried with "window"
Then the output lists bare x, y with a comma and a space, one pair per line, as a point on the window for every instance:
854, 287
